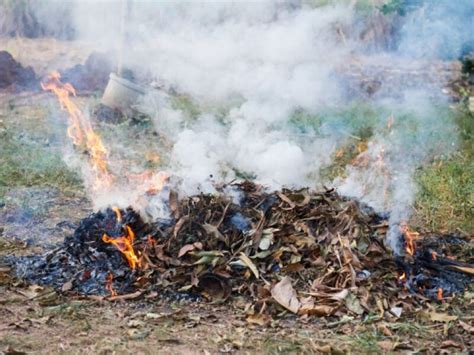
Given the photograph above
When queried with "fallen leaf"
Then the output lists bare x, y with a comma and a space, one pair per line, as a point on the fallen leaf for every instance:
451, 343
135, 323
186, 248
438, 317
12, 351
396, 311
468, 328
266, 239
32, 291
249, 263
66, 286
340, 295
284, 293
138, 334
353, 304
153, 316
386, 345
382, 328
325, 349
259, 319
213, 231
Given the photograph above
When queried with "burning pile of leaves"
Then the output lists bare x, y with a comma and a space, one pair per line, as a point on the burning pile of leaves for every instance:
310, 253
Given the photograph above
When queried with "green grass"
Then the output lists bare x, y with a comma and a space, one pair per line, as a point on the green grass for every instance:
445, 200
184, 103
25, 163
445, 180
366, 342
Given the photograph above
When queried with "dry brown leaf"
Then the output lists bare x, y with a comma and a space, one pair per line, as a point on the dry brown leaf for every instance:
249, 263
386, 345
174, 205
179, 225
438, 317
259, 319
284, 293
382, 327
451, 344
468, 328
67, 286
186, 248
340, 295
213, 231
32, 291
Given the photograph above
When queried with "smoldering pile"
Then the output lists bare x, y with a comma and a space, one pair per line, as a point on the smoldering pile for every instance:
312, 253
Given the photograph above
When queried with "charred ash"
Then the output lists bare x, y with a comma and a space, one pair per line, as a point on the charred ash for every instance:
84, 261
430, 269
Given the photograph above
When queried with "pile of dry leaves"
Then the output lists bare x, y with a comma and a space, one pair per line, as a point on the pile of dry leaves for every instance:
296, 250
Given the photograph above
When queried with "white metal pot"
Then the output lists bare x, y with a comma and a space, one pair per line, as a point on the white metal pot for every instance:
121, 93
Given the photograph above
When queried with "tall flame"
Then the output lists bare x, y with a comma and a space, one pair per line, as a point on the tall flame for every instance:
125, 245
80, 129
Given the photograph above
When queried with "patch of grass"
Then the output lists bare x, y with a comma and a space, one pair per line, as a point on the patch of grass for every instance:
357, 119
465, 121
186, 105
365, 342
25, 163
272, 345
445, 200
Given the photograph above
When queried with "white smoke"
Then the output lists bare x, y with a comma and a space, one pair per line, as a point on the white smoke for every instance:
250, 68
262, 62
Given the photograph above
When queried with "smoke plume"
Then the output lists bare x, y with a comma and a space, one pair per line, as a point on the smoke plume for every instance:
262, 85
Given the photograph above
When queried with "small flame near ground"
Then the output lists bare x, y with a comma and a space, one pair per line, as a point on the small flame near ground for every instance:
109, 284
410, 237
118, 214
125, 245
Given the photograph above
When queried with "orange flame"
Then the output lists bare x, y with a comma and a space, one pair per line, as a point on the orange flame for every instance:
409, 238
434, 255
150, 241
80, 129
118, 214
109, 286
149, 181
403, 277
440, 294
125, 245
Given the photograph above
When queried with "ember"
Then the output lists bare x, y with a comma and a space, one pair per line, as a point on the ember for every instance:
429, 272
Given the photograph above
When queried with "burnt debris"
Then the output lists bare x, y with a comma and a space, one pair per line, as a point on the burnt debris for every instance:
328, 248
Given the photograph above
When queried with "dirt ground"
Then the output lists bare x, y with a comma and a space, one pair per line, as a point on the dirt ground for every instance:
34, 319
